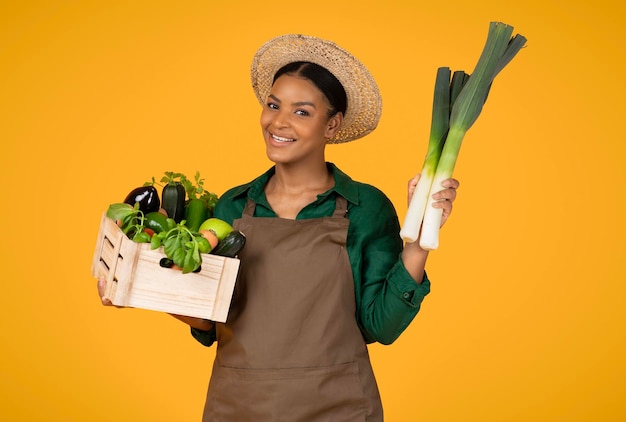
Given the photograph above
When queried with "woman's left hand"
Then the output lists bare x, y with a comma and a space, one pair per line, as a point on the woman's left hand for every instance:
443, 199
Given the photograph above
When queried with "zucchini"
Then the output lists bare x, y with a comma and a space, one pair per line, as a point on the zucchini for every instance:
231, 245
173, 200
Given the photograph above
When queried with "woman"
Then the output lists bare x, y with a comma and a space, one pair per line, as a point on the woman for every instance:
324, 271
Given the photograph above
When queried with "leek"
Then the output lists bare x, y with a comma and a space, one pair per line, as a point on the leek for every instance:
445, 94
499, 50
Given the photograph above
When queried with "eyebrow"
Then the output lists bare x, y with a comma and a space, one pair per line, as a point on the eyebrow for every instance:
297, 104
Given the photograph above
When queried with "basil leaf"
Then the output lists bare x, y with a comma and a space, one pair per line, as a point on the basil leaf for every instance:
189, 264
179, 257
171, 245
155, 242
119, 211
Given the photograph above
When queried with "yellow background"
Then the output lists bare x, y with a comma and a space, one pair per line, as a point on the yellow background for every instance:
526, 319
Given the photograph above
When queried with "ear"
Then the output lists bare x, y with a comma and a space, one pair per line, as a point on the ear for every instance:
333, 125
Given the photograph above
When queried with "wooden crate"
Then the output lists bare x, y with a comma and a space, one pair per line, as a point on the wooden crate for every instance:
135, 278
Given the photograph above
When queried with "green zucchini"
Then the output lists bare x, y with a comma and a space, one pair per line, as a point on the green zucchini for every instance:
231, 245
173, 200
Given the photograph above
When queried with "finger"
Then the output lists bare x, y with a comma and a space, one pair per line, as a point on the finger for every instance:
101, 285
101, 289
446, 208
451, 183
446, 213
445, 195
449, 190
445, 204
413, 182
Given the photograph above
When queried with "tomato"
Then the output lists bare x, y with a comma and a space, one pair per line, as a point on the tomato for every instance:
211, 237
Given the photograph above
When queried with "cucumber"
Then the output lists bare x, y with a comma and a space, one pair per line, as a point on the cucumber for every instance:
231, 245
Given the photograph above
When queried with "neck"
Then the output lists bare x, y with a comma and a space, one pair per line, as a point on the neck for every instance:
294, 187
296, 181
298, 178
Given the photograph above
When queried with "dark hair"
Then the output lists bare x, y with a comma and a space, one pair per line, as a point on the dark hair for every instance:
322, 79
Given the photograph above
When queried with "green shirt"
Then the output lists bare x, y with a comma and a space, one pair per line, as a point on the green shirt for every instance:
387, 297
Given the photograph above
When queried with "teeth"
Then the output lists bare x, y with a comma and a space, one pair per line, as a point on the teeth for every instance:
279, 139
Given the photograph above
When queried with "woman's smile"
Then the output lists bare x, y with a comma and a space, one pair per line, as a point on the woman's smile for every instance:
281, 140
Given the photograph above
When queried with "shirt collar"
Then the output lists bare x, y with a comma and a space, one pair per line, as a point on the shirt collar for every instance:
344, 186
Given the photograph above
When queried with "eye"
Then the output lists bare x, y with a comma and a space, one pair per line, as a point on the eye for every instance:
302, 113
272, 106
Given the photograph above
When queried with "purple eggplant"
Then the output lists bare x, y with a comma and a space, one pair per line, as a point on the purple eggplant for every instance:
146, 196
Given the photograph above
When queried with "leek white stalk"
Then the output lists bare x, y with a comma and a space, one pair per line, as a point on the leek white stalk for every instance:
499, 49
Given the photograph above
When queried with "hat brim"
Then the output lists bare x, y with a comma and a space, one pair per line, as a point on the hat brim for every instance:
364, 101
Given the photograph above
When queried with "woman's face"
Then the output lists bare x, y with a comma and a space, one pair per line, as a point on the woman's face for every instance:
295, 121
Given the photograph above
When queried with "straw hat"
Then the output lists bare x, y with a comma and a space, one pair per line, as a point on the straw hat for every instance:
364, 102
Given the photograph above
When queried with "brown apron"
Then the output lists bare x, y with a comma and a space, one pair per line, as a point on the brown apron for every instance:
291, 349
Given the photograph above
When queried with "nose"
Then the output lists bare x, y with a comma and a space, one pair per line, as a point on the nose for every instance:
280, 120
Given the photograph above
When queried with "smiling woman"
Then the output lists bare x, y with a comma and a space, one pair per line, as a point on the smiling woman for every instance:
324, 271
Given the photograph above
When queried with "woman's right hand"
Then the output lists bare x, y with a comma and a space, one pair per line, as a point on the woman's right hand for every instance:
102, 284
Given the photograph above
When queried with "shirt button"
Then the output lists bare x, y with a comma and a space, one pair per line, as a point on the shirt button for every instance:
406, 295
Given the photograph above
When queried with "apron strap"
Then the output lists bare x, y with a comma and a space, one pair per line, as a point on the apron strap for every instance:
341, 207
249, 208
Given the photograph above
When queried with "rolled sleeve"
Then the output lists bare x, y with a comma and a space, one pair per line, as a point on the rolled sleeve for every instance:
404, 286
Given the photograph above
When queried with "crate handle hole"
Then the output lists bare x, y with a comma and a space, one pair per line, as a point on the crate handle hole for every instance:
109, 243
103, 262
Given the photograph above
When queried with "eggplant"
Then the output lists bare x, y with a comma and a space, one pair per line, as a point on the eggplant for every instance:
146, 196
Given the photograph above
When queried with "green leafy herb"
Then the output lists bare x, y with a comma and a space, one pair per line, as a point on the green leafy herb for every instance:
181, 245
119, 211
131, 221
194, 188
